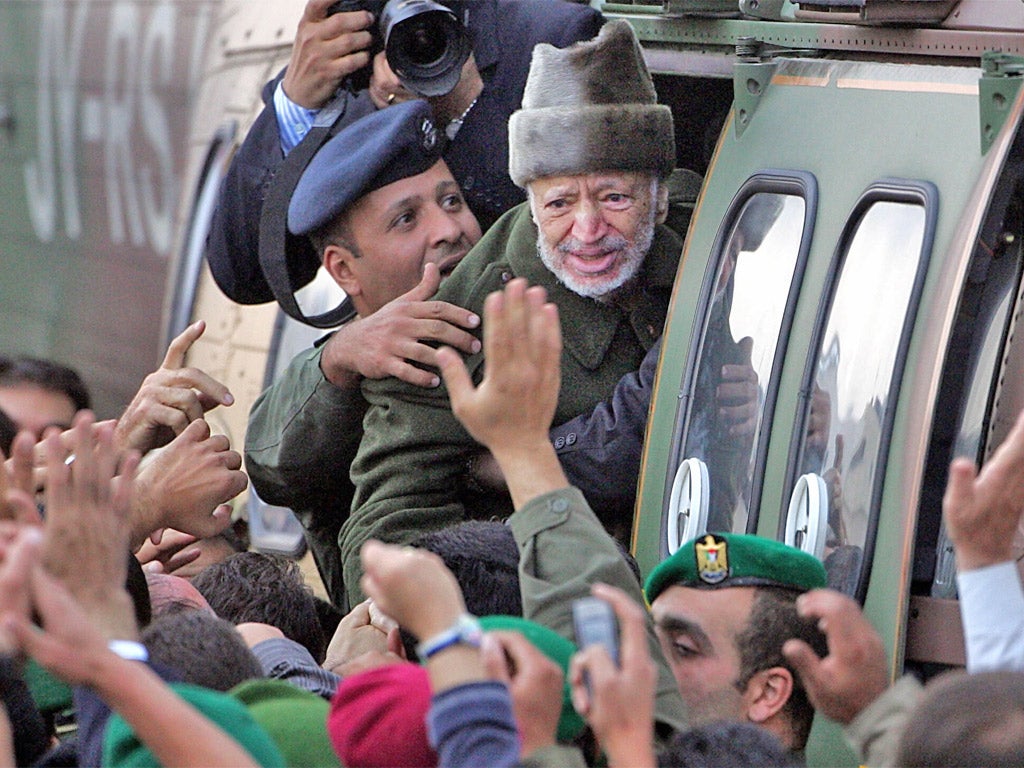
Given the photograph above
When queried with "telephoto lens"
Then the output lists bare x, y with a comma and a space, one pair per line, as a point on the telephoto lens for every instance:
425, 43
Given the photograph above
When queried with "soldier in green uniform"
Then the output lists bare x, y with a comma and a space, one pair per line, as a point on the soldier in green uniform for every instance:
389, 221
592, 148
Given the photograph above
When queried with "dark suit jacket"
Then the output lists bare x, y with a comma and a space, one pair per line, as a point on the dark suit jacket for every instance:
504, 33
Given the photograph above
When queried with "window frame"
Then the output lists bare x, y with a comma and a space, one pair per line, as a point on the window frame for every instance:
886, 190
773, 181
193, 249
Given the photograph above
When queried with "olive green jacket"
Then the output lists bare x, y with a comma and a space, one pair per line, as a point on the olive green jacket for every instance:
303, 432
409, 470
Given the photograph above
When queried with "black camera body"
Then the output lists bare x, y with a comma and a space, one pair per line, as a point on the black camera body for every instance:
424, 41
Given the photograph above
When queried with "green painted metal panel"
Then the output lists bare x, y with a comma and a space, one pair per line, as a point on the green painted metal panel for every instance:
850, 124
97, 99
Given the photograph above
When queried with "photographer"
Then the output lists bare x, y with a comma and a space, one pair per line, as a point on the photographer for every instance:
331, 51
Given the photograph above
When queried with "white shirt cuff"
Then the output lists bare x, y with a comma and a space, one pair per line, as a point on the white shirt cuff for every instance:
992, 609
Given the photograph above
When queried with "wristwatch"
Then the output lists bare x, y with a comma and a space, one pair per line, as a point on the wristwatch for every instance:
465, 631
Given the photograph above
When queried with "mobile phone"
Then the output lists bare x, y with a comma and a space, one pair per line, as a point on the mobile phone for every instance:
594, 622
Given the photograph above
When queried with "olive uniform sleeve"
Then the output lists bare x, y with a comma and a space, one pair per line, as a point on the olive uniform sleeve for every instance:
302, 436
551, 532
875, 733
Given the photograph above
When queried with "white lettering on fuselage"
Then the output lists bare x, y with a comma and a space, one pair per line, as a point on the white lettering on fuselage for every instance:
127, 121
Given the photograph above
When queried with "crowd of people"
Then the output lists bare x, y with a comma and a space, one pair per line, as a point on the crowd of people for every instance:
462, 455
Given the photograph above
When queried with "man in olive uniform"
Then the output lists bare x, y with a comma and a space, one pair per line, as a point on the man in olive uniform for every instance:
592, 148
381, 206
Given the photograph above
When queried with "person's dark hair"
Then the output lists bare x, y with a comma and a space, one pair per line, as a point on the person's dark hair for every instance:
725, 745
251, 586
8, 431
773, 621
963, 719
47, 375
205, 649
485, 560
138, 590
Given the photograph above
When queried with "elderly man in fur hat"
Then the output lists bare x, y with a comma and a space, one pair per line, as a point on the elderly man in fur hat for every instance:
593, 149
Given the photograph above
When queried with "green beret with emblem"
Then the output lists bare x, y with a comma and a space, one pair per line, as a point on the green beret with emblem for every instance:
719, 560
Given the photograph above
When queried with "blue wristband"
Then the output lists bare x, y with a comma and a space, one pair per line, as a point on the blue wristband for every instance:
465, 631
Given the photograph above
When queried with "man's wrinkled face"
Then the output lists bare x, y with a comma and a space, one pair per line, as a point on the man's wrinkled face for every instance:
697, 629
401, 227
595, 228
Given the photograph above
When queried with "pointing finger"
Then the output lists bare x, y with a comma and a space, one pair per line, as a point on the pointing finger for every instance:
175, 357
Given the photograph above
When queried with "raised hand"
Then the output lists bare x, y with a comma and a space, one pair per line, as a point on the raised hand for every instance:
18, 481
169, 553
510, 412
187, 485
619, 704
19, 554
88, 503
412, 586
854, 673
360, 644
983, 509
170, 398
535, 682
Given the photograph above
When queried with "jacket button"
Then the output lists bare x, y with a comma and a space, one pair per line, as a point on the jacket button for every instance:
505, 277
570, 439
559, 443
559, 505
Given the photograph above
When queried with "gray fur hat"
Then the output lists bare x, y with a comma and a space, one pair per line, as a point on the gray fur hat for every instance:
590, 107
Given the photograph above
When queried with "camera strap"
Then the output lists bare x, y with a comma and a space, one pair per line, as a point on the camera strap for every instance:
290, 262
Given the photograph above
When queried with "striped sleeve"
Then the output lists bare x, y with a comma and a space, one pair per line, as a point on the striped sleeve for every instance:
293, 121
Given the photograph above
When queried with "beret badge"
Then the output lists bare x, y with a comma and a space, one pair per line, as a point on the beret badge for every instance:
712, 559
428, 134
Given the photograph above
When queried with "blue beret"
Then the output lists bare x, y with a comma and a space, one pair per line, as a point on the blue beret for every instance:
718, 560
381, 148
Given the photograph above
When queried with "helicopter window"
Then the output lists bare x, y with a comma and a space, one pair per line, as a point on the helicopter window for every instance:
852, 381
749, 291
204, 202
